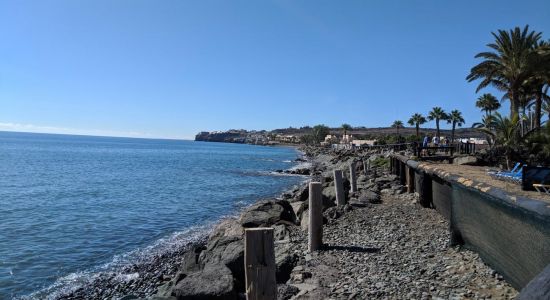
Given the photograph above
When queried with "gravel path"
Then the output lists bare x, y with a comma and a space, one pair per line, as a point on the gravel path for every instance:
395, 250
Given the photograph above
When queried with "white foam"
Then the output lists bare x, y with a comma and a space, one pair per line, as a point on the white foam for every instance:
169, 244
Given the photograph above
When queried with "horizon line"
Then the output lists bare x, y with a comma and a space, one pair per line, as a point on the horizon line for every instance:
94, 135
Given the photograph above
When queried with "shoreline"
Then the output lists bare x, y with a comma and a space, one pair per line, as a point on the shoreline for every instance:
142, 276
303, 275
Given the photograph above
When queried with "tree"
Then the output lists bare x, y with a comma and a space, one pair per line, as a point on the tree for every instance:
416, 120
505, 134
437, 114
507, 67
346, 128
546, 108
487, 103
486, 126
320, 132
455, 118
537, 84
397, 124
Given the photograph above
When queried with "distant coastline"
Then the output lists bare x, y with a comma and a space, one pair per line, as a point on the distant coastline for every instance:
292, 136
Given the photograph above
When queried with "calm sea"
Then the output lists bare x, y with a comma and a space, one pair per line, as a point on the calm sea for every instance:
73, 205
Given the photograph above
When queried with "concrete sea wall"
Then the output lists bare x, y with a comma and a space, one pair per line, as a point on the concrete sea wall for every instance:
510, 233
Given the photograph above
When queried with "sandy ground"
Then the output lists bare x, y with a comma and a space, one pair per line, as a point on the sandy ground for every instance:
480, 174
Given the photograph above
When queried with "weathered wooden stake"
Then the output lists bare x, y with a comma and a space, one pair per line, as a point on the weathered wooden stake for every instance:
402, 173
316, 216
353, 177
339, 188
259, 262
410, 180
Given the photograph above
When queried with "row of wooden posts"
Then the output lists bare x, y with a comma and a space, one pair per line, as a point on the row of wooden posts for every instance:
259, 254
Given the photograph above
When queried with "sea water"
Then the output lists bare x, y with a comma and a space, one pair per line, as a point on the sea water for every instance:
72, 205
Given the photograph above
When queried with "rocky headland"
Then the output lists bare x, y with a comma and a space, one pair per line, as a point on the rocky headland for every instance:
382, 244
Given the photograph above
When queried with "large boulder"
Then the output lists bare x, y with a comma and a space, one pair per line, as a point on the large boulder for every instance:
301, 194
285, 261
286, 291
227, 228
329, 193
267, 213
329, 197
212, 282
336, 212
281, 232
297, 207
369, 196
228, 251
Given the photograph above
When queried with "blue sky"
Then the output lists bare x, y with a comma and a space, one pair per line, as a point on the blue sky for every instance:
173, 68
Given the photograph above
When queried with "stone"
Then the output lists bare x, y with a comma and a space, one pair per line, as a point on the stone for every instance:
212, 282
266, 213
281, 232
302, 193
304, 222
286, 291
369, 196
228, 251
329, 197
285, 260
387, 192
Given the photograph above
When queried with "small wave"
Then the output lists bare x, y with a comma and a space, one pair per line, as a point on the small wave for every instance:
273, 173
170, 244
302, 165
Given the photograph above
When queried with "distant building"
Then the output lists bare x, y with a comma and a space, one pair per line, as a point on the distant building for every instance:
331, 139
346, 139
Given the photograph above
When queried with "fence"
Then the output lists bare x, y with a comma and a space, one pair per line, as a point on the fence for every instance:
511, 233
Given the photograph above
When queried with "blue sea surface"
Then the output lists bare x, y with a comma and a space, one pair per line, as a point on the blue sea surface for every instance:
73, 204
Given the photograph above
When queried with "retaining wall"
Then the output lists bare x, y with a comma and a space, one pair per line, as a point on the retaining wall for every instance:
510, 233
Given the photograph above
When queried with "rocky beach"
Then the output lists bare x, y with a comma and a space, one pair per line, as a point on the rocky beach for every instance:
382, 244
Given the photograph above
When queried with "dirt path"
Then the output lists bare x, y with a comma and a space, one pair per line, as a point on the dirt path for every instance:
395, 250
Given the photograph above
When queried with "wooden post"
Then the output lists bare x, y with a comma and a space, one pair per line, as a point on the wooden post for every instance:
365, 169
353, 177
339, 188
402, 173
410, 180
316, 216
259, 262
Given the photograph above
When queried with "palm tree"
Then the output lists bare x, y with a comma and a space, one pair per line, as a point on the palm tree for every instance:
546, 108
437, 114
346, 128
538, 84
487, 103
397, 124
455, 118
505, 134
486, 126
507, 67
417, 120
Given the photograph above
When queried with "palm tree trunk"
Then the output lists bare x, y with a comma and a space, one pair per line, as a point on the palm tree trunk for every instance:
538, 108
453, 133
417, 130
514, 101
437, 128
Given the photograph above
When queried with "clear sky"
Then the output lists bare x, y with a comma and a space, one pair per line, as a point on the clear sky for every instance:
173, 68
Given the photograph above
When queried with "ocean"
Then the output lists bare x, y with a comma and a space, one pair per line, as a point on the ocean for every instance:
71, 206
